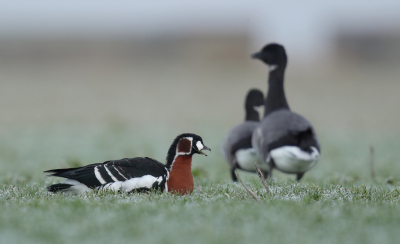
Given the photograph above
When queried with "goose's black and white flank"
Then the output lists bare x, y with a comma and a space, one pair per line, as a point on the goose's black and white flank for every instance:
285, 140
136, 174
236, 147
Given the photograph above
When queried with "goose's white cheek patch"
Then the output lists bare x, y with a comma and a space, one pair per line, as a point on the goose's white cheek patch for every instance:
199, 145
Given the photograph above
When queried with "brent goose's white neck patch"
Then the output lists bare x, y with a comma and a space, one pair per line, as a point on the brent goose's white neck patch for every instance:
272, 67
257, 108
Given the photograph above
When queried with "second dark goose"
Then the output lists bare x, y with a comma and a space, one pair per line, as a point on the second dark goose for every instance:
236, 146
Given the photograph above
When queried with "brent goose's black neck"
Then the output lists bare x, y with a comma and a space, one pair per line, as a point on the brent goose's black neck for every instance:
254, 100
276, 98
252, 114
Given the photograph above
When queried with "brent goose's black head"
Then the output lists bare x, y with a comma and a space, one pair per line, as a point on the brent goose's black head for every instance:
273, 55
186, 144
254, 98
254, 101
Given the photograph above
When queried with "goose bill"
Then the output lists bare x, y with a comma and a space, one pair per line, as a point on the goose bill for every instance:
204, 148
255, 55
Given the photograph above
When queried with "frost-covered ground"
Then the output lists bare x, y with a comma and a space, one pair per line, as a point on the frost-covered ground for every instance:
336, 202
222, 213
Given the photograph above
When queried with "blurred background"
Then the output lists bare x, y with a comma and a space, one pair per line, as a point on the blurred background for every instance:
87, 81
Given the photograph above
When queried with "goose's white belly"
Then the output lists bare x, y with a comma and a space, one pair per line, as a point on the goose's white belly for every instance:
246, 159
291, 159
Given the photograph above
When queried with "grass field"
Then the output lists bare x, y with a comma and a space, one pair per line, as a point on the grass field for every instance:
303, 213
336, 202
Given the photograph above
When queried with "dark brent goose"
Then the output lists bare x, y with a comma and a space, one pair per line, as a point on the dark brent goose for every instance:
236, 147
285, 140
136, 174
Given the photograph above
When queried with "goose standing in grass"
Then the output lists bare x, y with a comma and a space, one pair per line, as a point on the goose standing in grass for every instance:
236, 147
136, 174
284, 139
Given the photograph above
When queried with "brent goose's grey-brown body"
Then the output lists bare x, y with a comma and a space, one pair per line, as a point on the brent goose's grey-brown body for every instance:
136, 174
284, 139
236, 146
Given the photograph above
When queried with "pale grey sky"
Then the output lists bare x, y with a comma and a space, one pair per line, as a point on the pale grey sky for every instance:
305, 28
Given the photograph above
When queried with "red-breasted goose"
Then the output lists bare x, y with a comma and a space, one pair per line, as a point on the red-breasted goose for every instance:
284, 139
236, 147
136, 174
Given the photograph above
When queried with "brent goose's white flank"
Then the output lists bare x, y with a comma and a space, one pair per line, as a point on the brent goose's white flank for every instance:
136, 174
236, 147
284, 139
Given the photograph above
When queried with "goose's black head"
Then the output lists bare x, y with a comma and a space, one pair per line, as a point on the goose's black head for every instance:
186, 144
254, 101
273, 55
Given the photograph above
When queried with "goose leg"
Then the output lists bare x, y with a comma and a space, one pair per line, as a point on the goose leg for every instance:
233, 175
270, 174
299, 176
271, 164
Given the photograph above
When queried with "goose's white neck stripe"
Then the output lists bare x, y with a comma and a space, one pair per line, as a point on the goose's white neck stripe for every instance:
182, 153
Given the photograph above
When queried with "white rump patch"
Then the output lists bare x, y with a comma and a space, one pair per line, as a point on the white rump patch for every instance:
199, 145
98, 176
246, 159
291, 159
145, 181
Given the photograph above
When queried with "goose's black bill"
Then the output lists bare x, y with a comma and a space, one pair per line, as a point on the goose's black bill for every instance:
204, 148
255, 55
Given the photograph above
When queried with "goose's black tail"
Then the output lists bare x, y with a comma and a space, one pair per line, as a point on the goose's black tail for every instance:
306, 140
58, 187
